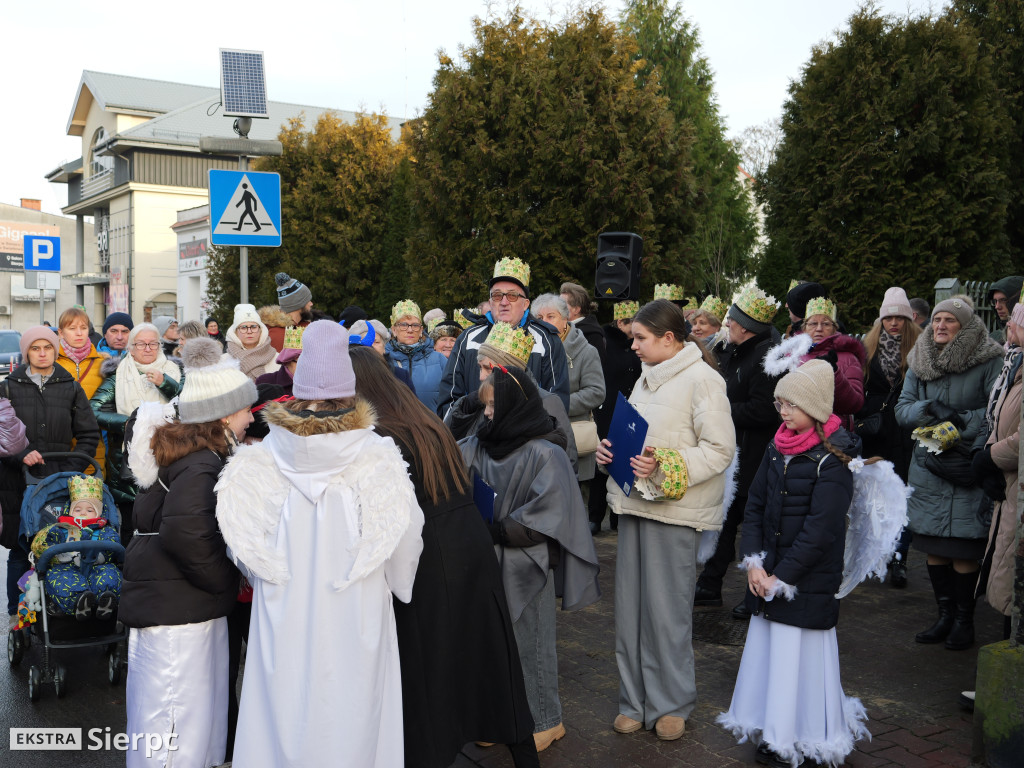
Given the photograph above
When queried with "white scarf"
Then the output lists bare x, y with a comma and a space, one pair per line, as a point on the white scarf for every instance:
133, 388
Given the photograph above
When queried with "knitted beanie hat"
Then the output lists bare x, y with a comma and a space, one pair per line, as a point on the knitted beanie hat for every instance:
118, 318
1017, 315
811, 388
214, 386
162, 323
800, 294
958, 306
291, 294
37, 333
324, 372
896, 304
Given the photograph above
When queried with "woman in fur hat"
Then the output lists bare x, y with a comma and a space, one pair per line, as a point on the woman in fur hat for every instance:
323, 520
179, 585
952, 369
788, 694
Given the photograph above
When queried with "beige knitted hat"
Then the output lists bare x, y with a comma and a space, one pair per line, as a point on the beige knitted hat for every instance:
811, 388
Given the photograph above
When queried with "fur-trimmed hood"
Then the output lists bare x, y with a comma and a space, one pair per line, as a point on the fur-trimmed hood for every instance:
273, 317
970, 347
109, 365
303, 424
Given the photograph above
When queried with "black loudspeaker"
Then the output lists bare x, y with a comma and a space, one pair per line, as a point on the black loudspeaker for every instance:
618, 266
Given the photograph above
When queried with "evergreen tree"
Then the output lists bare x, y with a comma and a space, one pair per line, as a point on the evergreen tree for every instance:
535, 142
668, 48
892, 169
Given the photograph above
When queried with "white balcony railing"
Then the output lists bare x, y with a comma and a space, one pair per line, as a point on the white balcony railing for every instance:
97, 183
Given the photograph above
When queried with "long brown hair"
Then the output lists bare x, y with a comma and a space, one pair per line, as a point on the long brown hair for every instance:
401, 415
174, 441
908, 338
661, 316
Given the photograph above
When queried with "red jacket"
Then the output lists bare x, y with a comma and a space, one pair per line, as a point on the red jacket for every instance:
852, 358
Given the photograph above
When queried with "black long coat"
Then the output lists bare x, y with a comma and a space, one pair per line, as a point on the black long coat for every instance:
461, 676
54, 417
893, 442
621, 370
796, 514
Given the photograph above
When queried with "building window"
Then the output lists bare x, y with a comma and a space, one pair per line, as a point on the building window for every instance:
99, 164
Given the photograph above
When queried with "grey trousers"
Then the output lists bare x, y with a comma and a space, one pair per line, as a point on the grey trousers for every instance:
655, 576
535, 636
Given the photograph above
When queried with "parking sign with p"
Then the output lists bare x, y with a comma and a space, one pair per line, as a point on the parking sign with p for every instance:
42, 253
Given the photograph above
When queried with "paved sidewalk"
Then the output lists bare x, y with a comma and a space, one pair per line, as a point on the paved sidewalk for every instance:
909, 690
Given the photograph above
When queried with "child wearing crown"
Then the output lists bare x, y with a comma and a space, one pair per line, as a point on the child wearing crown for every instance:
82, 590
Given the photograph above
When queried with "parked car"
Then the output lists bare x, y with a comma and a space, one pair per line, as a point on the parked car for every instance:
10, 351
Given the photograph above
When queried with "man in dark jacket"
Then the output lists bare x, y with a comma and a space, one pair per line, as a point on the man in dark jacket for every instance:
1003, 295
751, 394
510, 300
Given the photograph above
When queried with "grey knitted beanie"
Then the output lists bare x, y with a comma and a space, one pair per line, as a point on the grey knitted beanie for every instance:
214, 386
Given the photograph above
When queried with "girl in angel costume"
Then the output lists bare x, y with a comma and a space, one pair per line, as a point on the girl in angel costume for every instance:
322, 518
788, 695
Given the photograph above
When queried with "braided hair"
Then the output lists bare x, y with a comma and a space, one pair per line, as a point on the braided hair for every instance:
835, 451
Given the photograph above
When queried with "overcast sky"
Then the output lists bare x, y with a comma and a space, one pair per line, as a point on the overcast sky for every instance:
372, 55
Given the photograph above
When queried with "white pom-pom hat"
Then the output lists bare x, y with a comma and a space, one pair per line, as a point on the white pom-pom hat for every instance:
214, 386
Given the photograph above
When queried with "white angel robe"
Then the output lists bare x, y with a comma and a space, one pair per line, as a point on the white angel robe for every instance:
327, 528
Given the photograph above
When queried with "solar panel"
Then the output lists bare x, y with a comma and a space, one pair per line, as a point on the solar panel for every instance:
243, 90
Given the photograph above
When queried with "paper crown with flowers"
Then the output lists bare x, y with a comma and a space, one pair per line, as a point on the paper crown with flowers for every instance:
461, 319
513, 268
757, 304
626, 310
668, 291
293, 337
715, 306
512, 340
691, 304
85, 487
792, 284
432, 324
405, 308
821, 306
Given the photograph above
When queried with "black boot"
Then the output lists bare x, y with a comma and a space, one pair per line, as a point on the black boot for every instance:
962, 635
942, 584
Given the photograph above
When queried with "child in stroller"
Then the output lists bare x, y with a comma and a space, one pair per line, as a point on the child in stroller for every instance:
84, 590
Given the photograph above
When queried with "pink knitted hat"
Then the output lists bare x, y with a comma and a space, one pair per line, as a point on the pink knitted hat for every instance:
36, 333
324, 371
896, 304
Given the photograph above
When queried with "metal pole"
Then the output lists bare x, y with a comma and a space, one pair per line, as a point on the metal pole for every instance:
243, 251
42, 315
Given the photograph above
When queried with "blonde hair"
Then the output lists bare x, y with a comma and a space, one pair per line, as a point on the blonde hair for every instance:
908, 338
68, 316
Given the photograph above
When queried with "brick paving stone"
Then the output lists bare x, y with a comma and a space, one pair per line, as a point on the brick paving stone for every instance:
909, 690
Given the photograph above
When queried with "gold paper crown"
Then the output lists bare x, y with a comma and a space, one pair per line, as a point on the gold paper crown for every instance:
668, 291
293, 337
715, 306
85, 487
512, 340
461, 319
513, 268
792, 284
757, 304
403, 309
432, 324
821, 306
626, 310
691, 304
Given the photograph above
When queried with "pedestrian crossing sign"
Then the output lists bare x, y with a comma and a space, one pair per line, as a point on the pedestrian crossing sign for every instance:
245, 208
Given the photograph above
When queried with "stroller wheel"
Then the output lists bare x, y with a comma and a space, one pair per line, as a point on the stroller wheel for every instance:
114, 667
60, 685
33, 684
15, 648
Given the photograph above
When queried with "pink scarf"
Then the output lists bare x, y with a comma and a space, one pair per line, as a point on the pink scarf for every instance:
78, 355
791, 443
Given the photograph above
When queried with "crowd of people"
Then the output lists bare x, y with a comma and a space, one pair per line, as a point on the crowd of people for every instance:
387, 515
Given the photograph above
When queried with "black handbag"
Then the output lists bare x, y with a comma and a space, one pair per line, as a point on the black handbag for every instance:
871, 425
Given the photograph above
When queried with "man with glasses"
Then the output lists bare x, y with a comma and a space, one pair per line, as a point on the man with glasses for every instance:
509, 300
1003, 295
751, 394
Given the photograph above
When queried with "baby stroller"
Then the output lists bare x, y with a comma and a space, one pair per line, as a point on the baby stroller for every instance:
44, 501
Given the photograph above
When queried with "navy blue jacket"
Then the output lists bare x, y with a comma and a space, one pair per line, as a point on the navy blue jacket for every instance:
796, 514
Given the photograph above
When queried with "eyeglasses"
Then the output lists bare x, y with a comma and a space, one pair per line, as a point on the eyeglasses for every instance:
409, 326
146, 344
820, 326
248, 328
512, 296
1000, 302
782, 405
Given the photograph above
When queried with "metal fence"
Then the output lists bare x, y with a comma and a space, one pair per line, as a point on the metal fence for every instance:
976, 291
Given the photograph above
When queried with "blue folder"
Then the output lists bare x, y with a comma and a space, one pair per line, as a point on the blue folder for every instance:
483, 497
627, 434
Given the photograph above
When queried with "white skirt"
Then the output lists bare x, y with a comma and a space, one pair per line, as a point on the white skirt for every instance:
789, 696
178, 684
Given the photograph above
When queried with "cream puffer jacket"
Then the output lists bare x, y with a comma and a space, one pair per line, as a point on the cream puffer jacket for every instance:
687, 411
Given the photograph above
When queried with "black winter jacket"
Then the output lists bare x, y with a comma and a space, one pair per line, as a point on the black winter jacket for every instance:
54, 417
751, 394
181, 574
796, 515
893, 442
621, 370
594, 334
